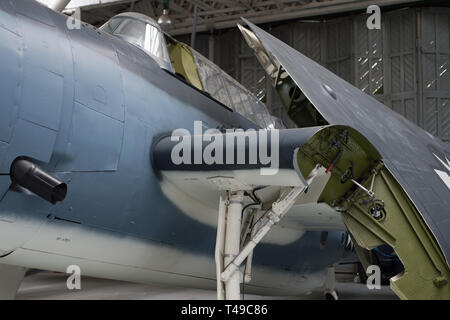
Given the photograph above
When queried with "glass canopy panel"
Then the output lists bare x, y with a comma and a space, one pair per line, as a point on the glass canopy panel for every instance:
142, 32
133, 31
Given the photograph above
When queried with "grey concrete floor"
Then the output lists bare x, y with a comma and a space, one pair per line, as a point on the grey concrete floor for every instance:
49, 286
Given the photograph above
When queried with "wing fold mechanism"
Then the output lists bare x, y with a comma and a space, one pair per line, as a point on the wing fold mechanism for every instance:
394, 220
375, 207
305, 155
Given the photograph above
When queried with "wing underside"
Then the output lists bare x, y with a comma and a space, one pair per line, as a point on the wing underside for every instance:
183, 163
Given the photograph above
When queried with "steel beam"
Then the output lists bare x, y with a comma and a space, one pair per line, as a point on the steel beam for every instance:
289, 13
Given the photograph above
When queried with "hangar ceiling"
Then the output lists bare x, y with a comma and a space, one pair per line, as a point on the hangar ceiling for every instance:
405, 65
221, 14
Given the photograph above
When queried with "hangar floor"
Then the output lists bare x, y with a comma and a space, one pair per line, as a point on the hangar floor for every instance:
48, 285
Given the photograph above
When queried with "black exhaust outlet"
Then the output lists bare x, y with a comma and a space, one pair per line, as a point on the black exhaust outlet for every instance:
30, 176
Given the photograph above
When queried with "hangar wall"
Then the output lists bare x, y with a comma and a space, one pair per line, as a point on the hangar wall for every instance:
406, 64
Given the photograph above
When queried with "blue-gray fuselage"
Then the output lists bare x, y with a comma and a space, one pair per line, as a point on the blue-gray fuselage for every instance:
86, 107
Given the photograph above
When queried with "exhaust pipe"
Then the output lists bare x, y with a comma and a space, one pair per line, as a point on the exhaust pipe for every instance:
28, 175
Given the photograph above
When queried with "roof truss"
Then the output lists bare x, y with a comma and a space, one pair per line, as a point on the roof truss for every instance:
220, 14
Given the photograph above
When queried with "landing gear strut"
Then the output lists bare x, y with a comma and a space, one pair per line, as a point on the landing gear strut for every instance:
228, 244
231, 250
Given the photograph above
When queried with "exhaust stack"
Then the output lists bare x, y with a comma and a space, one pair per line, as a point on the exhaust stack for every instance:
30, 176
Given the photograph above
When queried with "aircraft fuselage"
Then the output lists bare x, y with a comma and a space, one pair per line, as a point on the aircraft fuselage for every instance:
87, 107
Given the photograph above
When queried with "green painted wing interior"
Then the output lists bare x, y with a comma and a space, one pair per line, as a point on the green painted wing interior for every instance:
426, 274
351, 152
400, 225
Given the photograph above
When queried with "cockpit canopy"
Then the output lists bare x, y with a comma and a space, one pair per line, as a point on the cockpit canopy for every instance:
141, 31
189, 65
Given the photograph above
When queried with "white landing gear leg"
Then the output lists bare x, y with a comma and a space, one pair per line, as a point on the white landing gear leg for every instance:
228, 239
228, 244
10, 279
229, 255
329, 285
233, 244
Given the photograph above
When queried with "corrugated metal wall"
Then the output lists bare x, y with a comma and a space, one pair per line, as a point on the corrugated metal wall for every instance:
435, 64
402, 64
406, 64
